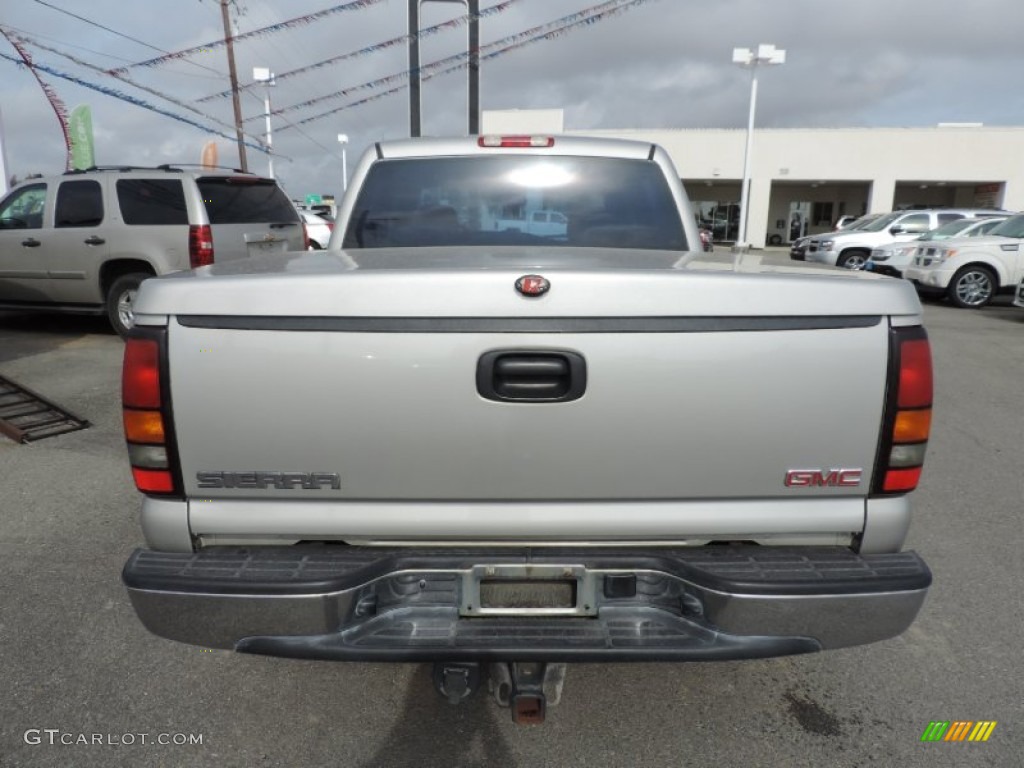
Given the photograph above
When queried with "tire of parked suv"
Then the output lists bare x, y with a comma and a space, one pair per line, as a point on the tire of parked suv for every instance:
120, 299
853, 259
972, 287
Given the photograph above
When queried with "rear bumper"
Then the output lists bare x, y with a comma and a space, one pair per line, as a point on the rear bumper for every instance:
934, 280
373, 604
882, 269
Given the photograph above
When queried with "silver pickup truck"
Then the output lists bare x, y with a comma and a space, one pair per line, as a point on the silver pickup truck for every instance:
437, 441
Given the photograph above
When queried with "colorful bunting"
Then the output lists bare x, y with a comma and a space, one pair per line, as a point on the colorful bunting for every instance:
58, 106
549, 31
460, 21
128, 98
299, 21
25, 38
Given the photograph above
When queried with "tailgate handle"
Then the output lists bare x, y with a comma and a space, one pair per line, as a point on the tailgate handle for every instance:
531, 376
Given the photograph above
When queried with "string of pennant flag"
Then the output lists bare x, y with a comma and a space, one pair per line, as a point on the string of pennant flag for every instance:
298, 21
445, 26
394, 83
454, 63
127, 98
82, 63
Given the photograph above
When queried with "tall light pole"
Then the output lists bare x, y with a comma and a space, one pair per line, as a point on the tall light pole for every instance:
343, 140
766, 54
265, 76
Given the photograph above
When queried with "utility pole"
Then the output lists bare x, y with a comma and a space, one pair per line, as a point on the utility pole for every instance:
230, 40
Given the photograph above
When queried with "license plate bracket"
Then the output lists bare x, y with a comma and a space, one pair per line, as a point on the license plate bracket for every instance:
528, 590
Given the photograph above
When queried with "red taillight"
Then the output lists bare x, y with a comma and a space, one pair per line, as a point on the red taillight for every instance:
140, 376
146, 414
915, 374
330, 225
153, 480
515, 141
200, 245
305, 237
907, 423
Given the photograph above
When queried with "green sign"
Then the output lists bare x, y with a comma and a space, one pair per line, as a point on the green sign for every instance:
313, 200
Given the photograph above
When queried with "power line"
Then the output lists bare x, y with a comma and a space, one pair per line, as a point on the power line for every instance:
539, 33
353, 5
115, 32
125, 80
428, 32
97, 24
125, 97
26, 33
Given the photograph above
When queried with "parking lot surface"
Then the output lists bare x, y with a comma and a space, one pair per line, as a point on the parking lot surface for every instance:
77, 665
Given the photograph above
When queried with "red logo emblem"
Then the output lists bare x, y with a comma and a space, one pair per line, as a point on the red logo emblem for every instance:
532, 285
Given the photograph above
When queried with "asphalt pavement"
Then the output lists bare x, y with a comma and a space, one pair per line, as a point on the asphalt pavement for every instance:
83, 684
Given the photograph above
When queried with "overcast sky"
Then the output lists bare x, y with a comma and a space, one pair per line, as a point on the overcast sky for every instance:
660, 64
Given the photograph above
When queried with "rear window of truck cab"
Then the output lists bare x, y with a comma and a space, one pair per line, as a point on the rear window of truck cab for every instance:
512, 200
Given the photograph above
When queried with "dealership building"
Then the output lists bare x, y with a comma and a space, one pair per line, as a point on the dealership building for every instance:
803, 179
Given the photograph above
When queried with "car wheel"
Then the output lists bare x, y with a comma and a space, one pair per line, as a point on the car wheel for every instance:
853, 260
121, 301
972, 287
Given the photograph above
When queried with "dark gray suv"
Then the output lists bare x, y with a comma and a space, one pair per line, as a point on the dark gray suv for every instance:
85, 240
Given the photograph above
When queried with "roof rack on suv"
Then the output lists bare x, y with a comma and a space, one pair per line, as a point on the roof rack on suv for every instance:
92, 168
179, 166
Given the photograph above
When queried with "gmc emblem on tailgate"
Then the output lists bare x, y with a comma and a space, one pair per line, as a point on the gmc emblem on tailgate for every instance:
817, 478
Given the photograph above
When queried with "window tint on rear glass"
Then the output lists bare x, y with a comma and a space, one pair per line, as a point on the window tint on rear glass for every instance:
242, 200
79, 204
152, 201
506, 200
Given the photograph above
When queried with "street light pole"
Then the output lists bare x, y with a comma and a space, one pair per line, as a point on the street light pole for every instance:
343, 140
263, 75
766, 54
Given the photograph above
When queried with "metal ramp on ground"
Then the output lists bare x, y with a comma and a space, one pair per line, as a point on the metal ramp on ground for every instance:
26, 415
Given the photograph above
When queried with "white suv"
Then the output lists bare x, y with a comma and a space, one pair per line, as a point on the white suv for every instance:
894, 258
970, 272
84, 241
851, 249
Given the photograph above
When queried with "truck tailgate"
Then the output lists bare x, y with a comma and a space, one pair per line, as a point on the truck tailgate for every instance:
674, 406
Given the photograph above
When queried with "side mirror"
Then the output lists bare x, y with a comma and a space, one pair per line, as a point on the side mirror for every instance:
896, 229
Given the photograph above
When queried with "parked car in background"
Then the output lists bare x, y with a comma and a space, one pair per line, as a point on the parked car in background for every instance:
894, 258
798, 248
541, 223
318, 227
83, 241
851, 248
970, 272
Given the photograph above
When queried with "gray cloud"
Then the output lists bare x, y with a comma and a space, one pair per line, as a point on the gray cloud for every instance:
665, 64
